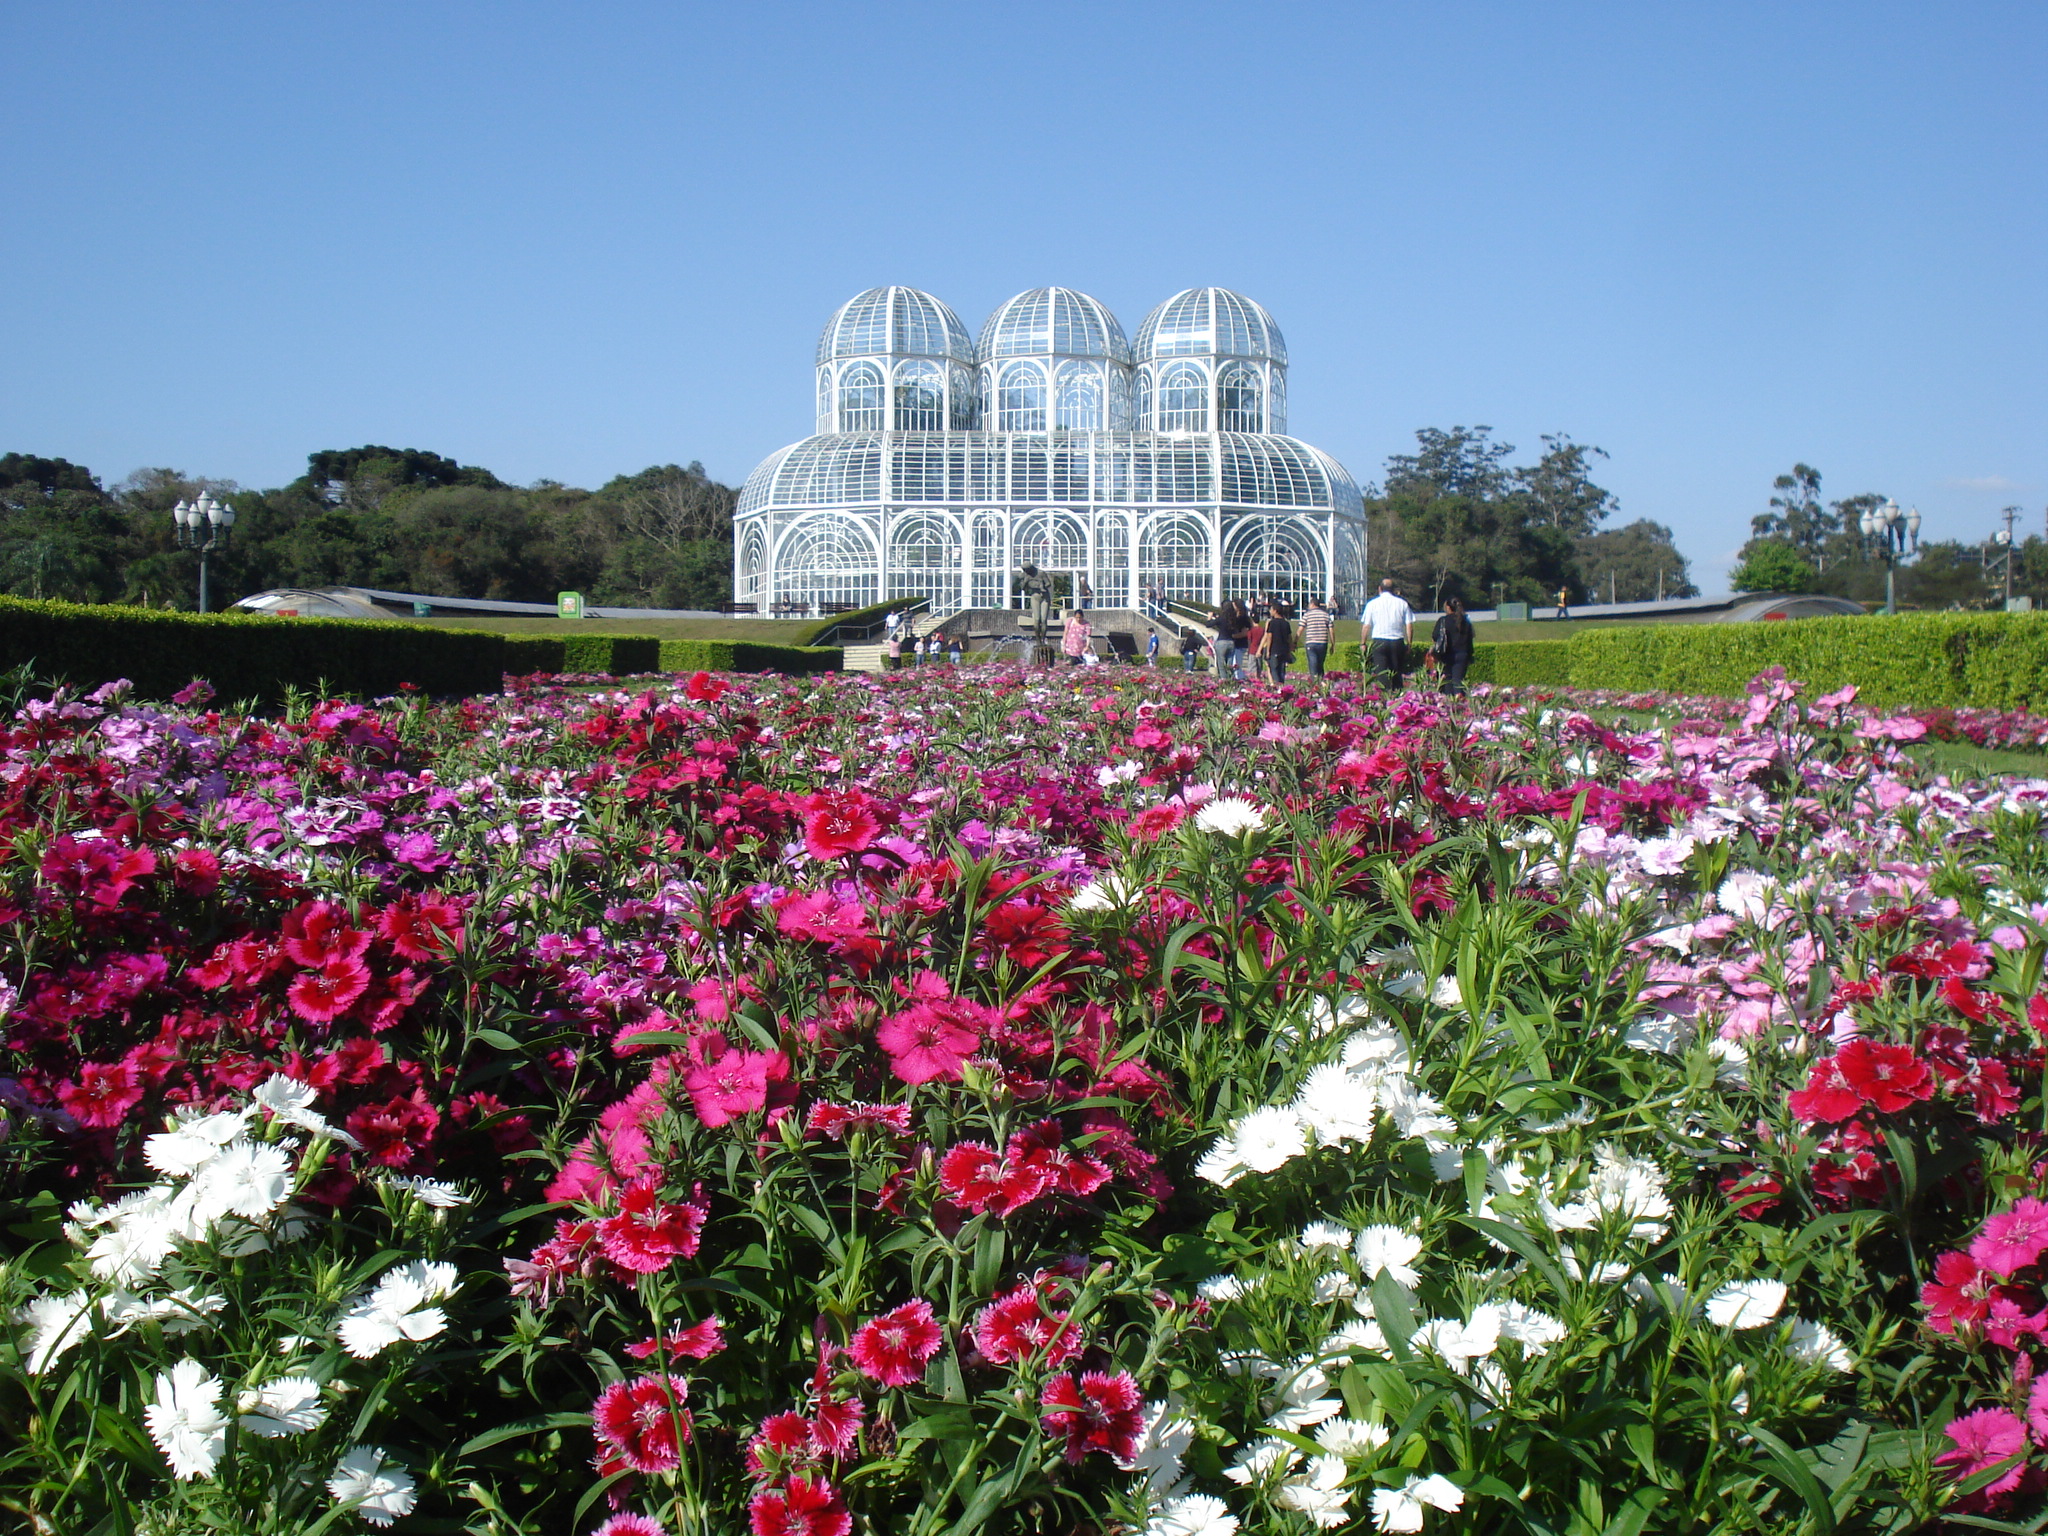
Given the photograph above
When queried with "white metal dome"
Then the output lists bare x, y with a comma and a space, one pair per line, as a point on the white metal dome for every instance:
895, 322
1054, 322
1210, 322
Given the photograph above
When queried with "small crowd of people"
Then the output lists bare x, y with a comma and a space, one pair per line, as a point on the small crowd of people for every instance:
902, 645
1389, 631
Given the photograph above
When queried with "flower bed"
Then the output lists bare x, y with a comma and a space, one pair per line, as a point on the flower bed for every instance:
1017, 1102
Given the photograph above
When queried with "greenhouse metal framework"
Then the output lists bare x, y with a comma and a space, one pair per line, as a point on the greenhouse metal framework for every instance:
942, 465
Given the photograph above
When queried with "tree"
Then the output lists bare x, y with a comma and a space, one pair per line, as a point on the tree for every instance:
1638, 563
47, 475
1772, 565
1560, 489
1460, 462
1798, 517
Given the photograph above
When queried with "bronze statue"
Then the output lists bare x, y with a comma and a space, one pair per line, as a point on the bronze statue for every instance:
1035, 587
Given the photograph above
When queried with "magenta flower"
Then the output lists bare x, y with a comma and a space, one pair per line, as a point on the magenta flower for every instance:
1983, 1440
735, 1084
644, 1421
2012, 1239
927, 1041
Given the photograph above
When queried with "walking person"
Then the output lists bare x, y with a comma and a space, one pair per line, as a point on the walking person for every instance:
1564, 602
895, 647
1190, 648
1451, 644
1315, 636
1151, 647
1389, 627
1278, 645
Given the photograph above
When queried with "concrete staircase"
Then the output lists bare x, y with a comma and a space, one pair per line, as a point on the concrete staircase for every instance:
862, 658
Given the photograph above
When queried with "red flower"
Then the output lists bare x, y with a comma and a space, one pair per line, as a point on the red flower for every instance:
2011, 1240
1155, 821
894, 1348
1071, 1172
631, 1525
1889, 1077
835, 1425
646, 1233
195, 871
573, 1250
929, 1040
395, 1133
734, 1084
97, 869
321, 996
704, 688
1016, 1326
782, 1445
1983, 1440
103, 1094
837, 1121
420, 929
644, 1421
1959, 1293
1827, 1095
801, 1507
977, 1180
1097, 1412
2037, 1013
319, 932
699, 1341
838, 825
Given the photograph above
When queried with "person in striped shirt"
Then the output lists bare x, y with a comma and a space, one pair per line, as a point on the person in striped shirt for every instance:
1315, 635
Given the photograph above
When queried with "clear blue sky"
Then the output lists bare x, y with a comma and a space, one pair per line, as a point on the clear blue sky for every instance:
569, 240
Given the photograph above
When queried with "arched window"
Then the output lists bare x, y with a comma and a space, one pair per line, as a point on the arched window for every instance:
1112, 578
1240, 399
1021, 403
825, 419
861, 399
965, 401
1080, 398
920, 398
1276, 408
1052, 540
828, 558
1119, 400
1147, 422
1173, 555
1183, 399
753, 563
924, 559
991, 560
1268, 552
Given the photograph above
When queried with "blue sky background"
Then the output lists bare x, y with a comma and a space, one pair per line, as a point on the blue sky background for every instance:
570, 240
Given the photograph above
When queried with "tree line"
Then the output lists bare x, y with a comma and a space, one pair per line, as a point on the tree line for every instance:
1805, 543
401, 519
1456, 519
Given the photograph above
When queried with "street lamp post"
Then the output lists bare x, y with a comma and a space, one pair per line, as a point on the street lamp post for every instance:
1890, 533
2003, 541
204, 525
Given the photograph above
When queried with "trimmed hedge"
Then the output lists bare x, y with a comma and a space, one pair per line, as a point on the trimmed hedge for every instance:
1926, 660
245, 656
874, 613
746, 656
1523, 663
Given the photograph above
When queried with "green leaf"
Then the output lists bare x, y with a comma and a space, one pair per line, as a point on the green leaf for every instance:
1634, 1513
1797, 1478
533, 1426
1520, 1242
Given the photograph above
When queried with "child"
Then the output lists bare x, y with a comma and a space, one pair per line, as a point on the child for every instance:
1151, 647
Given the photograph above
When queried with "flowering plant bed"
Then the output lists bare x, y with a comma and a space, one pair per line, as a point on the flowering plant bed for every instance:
1017, 1102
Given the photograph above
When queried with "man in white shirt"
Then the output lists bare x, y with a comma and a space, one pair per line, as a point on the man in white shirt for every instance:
1389, 627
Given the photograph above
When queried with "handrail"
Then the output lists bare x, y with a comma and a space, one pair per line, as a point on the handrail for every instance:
840, 635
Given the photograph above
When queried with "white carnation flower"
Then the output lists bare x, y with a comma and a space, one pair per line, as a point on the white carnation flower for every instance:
1746, 1303
1221, 1164
378, 1490
1268, 1138
1324, 1234
429, 1192
185, 1421
1230, 817
289, 1405
397, 1309
1318, 1492
291, 1102
1400, 1509
1194, 1514
1392, 1252
1337, 1105
1351, 1437
55, 1324
1817, 1344
193, 1142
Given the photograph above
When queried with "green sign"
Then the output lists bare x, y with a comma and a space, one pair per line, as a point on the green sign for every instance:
423, 610
568, 605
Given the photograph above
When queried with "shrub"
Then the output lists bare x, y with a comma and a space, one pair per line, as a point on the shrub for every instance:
1525, 663
244, 656
746, 656
1955, 660
527, 654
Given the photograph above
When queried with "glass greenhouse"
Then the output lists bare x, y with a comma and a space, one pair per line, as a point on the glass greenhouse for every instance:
941, 464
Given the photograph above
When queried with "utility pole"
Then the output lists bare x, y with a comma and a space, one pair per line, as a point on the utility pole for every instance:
1610, 589
2006, 546
1660, 583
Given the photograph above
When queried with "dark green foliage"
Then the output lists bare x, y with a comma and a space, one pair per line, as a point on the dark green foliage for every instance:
1926, 660
1525, 663
244, 656
528, 654
746, 656
401, 519
1772, 565
1636, 563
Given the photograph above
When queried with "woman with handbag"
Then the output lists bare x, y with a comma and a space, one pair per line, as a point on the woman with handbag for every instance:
1450, 647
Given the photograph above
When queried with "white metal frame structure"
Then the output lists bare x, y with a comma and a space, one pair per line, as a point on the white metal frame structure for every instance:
940, 464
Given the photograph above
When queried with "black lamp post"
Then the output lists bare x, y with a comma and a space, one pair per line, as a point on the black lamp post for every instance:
1890, 533
204, 525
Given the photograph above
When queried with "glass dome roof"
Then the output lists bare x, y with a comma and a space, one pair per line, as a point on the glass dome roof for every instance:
1210, 322
1054, 322
902, 322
